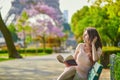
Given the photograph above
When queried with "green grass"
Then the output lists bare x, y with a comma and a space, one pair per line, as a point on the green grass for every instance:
5, 59
4, 56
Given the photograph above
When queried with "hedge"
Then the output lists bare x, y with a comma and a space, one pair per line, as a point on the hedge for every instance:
117, 67
39, 50
107, 51
111, 49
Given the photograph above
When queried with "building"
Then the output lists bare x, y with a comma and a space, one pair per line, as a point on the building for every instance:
65, 16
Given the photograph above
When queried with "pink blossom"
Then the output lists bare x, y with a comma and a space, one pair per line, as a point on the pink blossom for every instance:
42, 8
21, 35
44, 26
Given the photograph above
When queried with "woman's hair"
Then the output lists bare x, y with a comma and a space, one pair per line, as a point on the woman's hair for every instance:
92, 32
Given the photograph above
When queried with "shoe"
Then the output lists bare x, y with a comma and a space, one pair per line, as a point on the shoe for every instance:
60, 58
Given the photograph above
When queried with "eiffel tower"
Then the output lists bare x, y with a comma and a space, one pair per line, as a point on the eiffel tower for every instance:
17, 8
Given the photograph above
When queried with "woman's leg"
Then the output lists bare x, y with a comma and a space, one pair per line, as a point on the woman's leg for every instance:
68, 73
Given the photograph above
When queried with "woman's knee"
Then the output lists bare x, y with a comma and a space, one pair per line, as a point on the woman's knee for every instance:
68, 73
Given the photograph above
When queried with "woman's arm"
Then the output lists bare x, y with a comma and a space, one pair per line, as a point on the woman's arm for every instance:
95, 53
77, 51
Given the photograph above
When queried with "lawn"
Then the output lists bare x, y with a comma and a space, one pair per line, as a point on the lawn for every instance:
4, 56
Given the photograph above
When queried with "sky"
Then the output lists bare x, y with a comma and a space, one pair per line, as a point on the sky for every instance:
72, 6
7, 5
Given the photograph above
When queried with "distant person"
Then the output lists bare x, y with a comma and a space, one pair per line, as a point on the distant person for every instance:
86, 54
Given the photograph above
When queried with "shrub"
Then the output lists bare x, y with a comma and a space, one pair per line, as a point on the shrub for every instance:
3, 51
39, 50
107, 51
116, 67
110, 50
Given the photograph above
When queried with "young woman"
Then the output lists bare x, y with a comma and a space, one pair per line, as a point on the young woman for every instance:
86, 54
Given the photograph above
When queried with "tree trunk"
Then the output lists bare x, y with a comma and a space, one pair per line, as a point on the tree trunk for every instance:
8, 39
44, 43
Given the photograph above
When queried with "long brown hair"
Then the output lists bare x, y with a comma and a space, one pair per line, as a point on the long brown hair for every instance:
92, 32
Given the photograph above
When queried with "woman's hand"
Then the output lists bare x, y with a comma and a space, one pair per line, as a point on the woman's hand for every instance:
94, 40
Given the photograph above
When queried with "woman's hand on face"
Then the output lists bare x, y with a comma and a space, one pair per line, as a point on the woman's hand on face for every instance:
94, 40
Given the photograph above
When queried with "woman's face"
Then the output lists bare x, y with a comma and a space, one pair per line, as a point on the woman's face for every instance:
86, 37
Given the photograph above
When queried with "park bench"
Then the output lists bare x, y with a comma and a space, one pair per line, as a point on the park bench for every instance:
95, 72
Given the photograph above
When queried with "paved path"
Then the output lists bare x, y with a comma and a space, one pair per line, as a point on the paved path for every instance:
32, 68
105, 75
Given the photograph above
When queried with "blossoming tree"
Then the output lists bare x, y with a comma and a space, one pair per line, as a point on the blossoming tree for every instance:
44, 21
